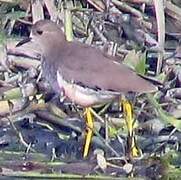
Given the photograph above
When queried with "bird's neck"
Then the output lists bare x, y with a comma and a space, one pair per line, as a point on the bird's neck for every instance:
54, 46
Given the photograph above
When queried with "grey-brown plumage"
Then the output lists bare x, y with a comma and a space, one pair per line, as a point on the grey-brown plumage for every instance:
85, 74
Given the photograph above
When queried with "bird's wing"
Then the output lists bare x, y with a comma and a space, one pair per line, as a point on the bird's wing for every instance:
89, 67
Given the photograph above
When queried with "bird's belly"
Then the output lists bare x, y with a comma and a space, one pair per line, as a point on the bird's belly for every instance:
84, 96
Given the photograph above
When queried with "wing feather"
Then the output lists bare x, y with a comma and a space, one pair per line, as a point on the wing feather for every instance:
91, 68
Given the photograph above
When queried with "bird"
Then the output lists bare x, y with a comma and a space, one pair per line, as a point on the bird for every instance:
84, 73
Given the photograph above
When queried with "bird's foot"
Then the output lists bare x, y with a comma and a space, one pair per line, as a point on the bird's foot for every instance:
133, 149
89, 122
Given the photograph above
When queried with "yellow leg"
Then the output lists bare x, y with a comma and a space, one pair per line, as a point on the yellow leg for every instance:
128, 113
89, 122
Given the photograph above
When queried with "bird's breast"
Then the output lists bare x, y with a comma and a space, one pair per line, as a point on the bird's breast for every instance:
49, 73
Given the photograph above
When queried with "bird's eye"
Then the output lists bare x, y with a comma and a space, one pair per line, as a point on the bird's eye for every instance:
39, 32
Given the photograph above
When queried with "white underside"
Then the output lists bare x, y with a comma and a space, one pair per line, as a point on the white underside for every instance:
84, 96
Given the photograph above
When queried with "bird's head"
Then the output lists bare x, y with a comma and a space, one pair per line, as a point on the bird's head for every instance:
46, 33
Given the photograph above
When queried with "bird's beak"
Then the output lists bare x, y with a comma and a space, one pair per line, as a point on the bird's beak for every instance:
24, 41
